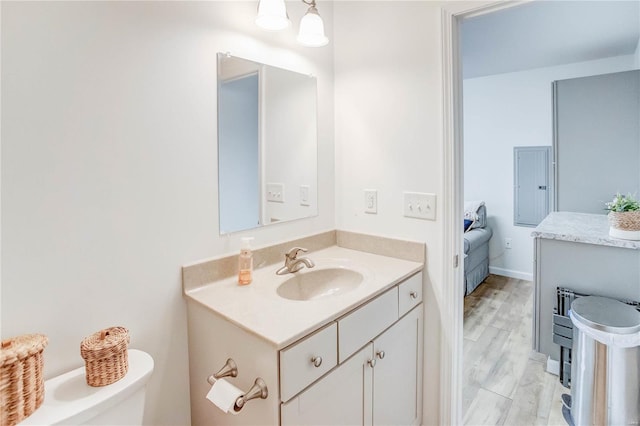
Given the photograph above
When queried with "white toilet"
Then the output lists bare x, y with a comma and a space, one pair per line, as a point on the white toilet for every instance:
69, 400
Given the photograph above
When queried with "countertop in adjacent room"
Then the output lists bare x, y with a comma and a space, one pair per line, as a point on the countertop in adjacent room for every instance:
584, 228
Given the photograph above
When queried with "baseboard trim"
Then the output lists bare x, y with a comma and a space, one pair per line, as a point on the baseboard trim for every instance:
553, 366
510, 273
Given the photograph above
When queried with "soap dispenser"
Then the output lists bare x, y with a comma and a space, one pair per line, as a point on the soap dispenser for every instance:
245, 262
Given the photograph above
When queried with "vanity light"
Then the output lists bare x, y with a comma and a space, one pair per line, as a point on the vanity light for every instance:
272, 15
312, 28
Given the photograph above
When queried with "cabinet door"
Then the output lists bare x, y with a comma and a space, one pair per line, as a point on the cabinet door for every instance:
397, 376
343, 397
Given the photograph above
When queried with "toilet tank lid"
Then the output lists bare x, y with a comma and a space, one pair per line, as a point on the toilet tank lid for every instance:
69, 397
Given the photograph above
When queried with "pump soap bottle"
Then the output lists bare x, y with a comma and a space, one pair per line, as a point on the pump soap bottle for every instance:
245, 262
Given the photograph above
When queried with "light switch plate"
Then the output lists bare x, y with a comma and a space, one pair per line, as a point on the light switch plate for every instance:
275, 192
420, 205
371, 201
304, 195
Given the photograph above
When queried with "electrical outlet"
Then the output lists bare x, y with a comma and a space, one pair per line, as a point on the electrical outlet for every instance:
507, 243
275, 192
371, 201
420, 205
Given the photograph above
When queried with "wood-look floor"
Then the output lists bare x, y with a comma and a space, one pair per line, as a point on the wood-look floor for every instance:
504, 381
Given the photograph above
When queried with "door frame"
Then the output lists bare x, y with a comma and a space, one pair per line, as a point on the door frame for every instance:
451, 349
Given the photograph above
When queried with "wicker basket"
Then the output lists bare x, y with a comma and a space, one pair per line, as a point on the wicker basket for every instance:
105, 356
626, 221
21, 379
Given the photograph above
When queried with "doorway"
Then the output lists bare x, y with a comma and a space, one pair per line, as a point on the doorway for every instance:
453, 15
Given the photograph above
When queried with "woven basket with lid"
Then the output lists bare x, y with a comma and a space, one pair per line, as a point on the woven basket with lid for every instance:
21, 377
105, 356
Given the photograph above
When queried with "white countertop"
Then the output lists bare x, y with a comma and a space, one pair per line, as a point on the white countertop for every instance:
580, 228
258, 309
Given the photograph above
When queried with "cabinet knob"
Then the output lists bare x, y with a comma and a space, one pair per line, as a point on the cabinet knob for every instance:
317, 361
380, 354
414, 294
371, 362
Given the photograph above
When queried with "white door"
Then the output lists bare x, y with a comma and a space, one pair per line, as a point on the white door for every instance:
343, 397
397, 383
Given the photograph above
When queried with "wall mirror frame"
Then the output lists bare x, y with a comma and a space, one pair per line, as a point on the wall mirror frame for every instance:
267, 144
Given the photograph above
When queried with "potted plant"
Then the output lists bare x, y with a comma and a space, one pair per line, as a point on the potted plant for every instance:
624, 217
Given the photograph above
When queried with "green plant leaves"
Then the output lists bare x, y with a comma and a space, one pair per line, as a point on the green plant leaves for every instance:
623, 203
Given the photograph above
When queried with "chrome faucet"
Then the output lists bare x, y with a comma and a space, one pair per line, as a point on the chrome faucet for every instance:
293, 263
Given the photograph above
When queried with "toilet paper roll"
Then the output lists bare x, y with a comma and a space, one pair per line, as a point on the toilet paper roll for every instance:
224, 395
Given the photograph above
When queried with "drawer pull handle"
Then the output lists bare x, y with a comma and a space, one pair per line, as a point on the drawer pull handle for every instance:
414, 294
380, 354
371, 362
317, 361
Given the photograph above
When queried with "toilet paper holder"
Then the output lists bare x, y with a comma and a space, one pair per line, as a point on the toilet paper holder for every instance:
230, 369
258, 390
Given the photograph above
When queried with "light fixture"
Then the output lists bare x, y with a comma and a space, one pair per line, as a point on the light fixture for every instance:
312, 28
272, 15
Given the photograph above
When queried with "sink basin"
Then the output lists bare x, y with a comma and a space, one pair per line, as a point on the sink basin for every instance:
315, 284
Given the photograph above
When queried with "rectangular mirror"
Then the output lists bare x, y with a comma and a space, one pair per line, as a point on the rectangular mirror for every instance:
267, 144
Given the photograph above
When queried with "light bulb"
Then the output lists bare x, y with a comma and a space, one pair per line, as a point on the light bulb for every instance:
312, 29
272, 15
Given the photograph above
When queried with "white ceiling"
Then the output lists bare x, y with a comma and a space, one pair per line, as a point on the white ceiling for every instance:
548, 33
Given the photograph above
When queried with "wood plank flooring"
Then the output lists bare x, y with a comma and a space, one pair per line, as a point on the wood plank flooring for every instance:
504, 381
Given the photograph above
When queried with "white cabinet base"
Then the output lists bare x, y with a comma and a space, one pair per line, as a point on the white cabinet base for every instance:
308, 382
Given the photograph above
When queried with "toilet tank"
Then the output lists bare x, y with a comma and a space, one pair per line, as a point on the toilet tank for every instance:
69, 400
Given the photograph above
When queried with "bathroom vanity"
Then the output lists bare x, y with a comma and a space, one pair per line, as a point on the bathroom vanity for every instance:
351, 354
575, 251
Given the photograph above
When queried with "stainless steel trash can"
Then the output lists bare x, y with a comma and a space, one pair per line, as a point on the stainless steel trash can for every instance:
605, 362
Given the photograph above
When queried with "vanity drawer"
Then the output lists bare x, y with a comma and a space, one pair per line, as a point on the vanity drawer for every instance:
409, 293
297, 366
366, 322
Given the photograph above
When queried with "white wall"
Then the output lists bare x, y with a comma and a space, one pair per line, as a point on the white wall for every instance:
500, 112
109, 179
388, 136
